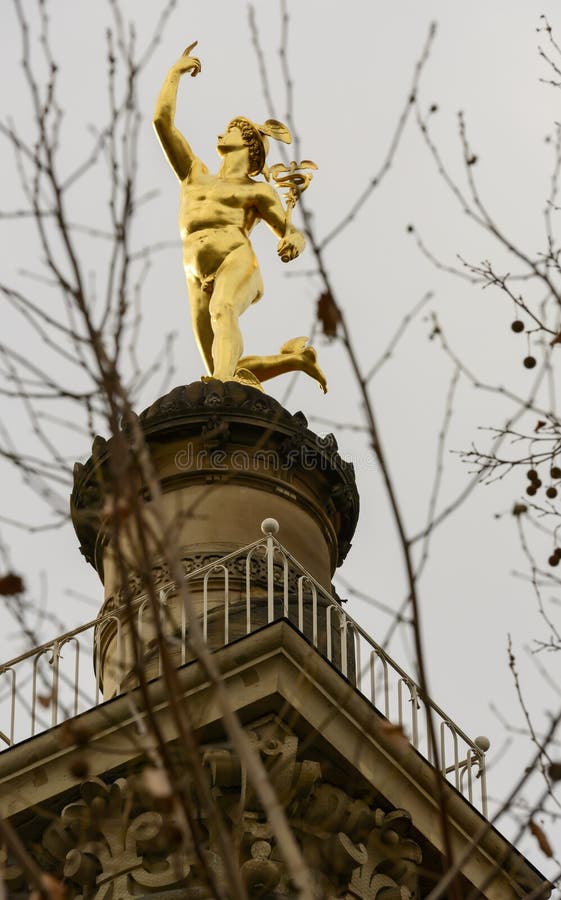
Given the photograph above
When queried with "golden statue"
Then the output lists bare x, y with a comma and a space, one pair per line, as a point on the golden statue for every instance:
216, 216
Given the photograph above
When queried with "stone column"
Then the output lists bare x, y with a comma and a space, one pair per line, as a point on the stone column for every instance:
227, 457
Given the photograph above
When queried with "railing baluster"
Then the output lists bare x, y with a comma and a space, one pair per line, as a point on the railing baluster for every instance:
328, 637
161, 603
344, 644
97, 662
483, 781
469, 762
279, 550
9, 737
372, 661
414, 720
34, 691
205, 606
183, 637
430, 747
358, 663
226, 607
455, 767
301, 604
120, 662
76, 643
442, 749
260, 545
286, 611
54, 693
314, 615
13, 706
270, 578
456, 757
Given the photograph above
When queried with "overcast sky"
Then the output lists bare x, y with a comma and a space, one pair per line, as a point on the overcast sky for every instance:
352, 65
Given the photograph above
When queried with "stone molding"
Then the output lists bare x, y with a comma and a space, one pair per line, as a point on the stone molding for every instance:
223, 415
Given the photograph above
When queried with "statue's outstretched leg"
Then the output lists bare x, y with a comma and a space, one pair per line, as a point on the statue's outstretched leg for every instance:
237, 284
294, 356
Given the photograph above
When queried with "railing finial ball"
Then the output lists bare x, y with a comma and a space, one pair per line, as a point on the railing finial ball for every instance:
270, 526
482, 742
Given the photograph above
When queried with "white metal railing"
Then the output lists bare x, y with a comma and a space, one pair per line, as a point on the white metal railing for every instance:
236, 594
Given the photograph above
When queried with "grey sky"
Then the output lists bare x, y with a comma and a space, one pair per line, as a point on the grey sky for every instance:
352, 66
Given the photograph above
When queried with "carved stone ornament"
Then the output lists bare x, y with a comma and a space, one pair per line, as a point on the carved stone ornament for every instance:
237, 570
103, 846
117, 842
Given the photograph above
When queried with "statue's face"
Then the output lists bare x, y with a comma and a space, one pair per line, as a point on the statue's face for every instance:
231, 139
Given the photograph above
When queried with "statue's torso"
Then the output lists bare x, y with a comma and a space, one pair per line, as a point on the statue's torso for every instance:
214, 202
216, 216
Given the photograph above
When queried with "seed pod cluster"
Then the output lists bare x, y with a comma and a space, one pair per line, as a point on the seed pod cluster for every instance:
535, 483
552, 490
518, 327
555, 557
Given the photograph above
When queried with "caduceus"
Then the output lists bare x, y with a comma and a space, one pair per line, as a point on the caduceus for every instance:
293, 178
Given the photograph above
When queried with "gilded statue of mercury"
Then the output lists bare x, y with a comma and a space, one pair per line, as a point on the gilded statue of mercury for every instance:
216, 216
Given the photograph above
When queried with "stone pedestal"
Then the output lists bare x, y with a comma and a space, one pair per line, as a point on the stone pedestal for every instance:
227, 457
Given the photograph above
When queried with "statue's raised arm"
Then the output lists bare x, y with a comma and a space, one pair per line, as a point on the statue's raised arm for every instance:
216, 216
174, 145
